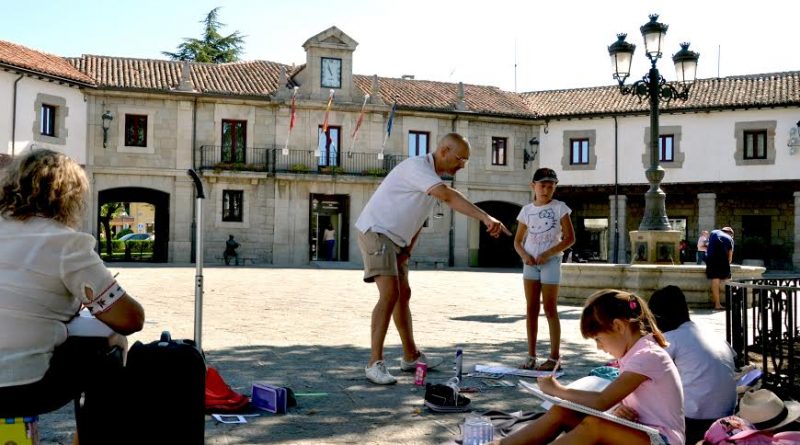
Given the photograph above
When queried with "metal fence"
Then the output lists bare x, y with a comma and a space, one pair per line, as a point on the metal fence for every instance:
761, 324
275, 160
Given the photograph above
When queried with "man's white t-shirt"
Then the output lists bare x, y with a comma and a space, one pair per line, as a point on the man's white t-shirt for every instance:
544, 225
706, 366
401, 203
44, 268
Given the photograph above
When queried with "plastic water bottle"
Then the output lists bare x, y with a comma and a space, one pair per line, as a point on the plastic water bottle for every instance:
478, 430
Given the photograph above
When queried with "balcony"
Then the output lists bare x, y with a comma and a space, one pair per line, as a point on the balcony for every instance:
762, 327
273, 160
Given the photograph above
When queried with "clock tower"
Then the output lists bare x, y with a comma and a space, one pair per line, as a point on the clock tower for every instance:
329, 66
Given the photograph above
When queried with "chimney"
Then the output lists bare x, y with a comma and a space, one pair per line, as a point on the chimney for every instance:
407, 77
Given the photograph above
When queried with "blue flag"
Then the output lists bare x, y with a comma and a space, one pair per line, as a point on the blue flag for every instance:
391, 120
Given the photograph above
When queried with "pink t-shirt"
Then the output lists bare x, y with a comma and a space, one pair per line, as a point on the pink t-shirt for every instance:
659, 399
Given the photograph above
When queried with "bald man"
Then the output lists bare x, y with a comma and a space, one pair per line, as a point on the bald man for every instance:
388, 228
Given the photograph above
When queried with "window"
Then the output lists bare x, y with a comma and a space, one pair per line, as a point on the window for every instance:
418, 143
232, 205
579, 153
755, 144
48, 120
234, 141
499, 153
135, 130
328, 146
666, 151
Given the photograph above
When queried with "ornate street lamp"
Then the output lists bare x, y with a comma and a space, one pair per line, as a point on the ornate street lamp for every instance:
656, 89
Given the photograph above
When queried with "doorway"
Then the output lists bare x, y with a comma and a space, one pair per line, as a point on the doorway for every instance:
499, 252
144, 212
329, 224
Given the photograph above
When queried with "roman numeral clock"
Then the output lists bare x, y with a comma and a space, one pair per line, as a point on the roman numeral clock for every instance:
331, 72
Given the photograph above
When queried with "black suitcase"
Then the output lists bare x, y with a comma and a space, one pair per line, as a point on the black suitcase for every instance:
166, 392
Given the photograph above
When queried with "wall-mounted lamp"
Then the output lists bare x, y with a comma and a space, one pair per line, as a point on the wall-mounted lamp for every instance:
794, 139
107, 118
530, 156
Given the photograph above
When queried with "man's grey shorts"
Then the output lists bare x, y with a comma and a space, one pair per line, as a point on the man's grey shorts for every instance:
547, 273
379, 253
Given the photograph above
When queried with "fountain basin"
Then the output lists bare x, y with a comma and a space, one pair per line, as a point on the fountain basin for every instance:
579, 280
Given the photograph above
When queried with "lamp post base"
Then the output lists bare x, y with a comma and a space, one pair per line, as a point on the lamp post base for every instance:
655, 246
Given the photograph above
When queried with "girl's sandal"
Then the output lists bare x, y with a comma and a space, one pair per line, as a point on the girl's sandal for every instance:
548, 365
530, 363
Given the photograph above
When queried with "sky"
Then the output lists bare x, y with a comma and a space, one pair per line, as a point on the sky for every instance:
515, 45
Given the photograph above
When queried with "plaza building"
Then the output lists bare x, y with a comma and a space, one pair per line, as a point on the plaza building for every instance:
285, 150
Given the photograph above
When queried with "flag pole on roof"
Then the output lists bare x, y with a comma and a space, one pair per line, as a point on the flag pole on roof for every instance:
325, 122
358, 123
388, 129
292, 121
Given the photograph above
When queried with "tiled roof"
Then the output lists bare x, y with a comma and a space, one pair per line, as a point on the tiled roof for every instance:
18, 56
257, 78
441, 96
763, 90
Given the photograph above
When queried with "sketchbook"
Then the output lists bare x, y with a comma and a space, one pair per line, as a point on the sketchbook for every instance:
654, 434
507, 370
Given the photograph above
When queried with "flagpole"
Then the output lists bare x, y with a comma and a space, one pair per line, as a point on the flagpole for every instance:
358, 123
292, 111
388, 130
325, 122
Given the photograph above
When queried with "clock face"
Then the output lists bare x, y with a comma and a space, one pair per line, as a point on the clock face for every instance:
331, 75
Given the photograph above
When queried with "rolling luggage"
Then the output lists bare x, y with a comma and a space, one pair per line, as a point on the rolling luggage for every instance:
166, 392
166, 379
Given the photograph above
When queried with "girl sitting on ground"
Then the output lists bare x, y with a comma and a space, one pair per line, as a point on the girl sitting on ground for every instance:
648, 389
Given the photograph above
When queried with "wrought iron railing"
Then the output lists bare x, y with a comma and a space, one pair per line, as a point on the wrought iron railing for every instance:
215, 157
276, 160
761, 324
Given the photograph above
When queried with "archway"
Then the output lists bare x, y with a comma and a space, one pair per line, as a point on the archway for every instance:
159, 199
499, 252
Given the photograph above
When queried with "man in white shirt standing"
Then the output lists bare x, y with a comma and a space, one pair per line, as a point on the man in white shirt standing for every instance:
388, 228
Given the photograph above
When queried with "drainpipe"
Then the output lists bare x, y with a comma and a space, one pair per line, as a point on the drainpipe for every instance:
14, 116
616, 191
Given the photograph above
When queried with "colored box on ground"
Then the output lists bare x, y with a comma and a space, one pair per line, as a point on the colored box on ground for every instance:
19, 431
269, 398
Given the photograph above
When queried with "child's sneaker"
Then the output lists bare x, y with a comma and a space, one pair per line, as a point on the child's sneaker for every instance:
378, 374
431, 362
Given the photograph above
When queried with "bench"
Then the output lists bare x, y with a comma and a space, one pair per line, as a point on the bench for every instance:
427, 262
242, 261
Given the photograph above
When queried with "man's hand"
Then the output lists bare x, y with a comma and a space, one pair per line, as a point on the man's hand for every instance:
404, 255
494, 227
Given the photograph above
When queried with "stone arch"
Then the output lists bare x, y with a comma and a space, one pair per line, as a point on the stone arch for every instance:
159, 199
497, 252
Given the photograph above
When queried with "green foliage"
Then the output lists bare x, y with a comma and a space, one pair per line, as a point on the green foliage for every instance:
335, 170
122, 233
299, 168
375, 172
213, 47
238, 166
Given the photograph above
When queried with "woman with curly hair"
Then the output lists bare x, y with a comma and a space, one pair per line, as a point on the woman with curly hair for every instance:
49, 271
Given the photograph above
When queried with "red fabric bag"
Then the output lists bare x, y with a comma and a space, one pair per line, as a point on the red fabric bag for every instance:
220, 398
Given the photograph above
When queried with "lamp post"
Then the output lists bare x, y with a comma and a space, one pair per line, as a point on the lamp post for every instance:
653, 87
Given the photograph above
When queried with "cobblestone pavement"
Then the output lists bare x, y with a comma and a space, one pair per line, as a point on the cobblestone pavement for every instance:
308, 328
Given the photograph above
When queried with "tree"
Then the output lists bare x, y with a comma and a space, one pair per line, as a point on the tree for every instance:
109, 211
213, 47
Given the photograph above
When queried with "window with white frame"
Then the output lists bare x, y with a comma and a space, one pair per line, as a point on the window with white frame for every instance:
50, 124
499, 151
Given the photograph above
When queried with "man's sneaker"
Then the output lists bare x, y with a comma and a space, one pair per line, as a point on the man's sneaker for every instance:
444, 398
378, 374
411, 366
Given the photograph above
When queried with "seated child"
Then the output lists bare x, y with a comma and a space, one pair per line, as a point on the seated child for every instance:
705, 363
648, 389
